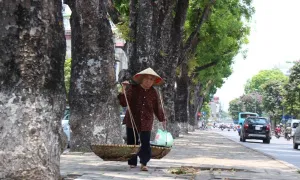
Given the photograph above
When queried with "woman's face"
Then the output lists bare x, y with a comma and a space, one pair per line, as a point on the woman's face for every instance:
148, 81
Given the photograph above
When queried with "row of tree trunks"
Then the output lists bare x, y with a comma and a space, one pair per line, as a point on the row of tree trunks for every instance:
32, 93
156, 38
186, 51
94, 110
171, 51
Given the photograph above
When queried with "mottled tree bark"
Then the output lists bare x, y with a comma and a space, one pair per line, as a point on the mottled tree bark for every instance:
191, 103
94, 110
181, 100
191, 123
141, 48
32, 93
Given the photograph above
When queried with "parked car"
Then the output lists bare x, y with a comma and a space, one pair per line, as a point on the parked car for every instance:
296, 138
66, 127
256, 128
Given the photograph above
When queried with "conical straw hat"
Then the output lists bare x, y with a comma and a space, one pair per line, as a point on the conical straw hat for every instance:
139, 76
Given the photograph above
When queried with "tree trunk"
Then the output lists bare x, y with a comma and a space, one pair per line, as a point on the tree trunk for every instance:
181, 100
32, 93
141, 29
192, 107
191, 122
94, 110
201, 100
198, 100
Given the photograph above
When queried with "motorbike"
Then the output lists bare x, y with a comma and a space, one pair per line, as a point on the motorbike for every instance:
277, 132
288, 136
277, 135
222, 127
287, 133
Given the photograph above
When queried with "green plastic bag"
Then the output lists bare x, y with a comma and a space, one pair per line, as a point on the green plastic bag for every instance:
163, 138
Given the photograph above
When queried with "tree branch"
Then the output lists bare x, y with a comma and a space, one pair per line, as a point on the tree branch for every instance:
194, 34
208, 65
184, 56
193, 40
198, 69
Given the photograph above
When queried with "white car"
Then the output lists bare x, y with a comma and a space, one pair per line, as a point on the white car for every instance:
66, 127
295, 124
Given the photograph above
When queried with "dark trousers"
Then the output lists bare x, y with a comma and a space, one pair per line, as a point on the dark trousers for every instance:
145, 150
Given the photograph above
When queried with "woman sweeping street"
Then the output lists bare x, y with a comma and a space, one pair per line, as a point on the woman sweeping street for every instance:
143, 102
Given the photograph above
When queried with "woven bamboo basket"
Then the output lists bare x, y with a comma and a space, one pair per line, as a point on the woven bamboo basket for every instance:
159, 152
114, 152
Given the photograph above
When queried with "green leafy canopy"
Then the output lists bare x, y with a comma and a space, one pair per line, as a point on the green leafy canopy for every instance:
221, 39
256, 82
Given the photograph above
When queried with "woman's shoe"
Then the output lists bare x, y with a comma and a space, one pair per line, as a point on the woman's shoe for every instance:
144, 168
132, 166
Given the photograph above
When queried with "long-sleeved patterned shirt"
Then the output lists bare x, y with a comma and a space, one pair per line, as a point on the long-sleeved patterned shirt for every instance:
143, 104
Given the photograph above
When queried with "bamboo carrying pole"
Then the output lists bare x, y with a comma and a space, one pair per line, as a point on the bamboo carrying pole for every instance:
131, 117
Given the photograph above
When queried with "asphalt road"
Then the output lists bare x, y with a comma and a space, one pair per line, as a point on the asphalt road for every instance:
280, 149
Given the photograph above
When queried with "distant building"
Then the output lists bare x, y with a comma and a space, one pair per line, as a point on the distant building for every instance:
66, 15
121, 60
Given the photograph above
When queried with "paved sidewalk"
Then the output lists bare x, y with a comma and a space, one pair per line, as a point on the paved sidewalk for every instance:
199, 155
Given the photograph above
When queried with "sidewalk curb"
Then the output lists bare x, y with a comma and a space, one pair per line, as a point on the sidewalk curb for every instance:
268, 155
